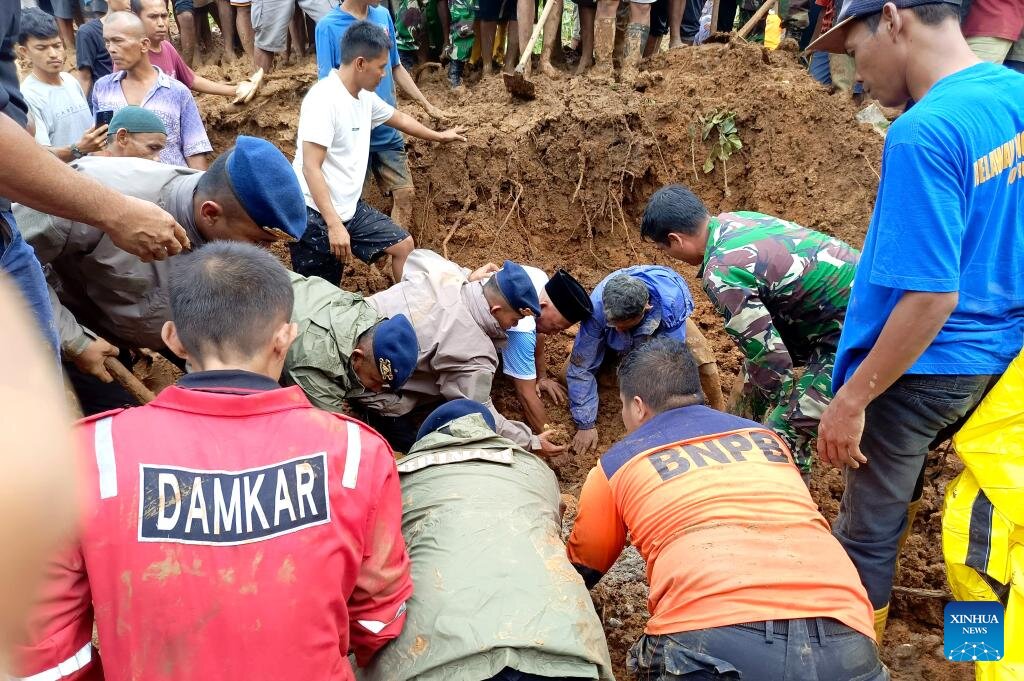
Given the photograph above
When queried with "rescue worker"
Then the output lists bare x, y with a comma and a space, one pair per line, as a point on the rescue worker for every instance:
481, 516
783, 290
457, 323
983, 517
937, 309
563, 303
107, 300
233, 530
731, 537
631, 305
338, 352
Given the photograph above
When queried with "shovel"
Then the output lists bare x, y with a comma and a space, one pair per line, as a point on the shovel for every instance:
516, 83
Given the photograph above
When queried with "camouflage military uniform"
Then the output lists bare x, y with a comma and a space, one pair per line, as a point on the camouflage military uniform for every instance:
783, 290
463, 12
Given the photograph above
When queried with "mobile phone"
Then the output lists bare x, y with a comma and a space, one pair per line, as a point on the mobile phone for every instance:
103, 117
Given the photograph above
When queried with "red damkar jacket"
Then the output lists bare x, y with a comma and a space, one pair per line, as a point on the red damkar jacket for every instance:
233, 532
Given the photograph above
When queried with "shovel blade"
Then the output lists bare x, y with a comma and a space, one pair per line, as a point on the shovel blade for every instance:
518, 86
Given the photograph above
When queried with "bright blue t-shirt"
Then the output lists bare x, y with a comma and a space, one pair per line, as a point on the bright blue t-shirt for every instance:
949, 217
329, 31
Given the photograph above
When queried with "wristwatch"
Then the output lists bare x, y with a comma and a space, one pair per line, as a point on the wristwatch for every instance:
77, 153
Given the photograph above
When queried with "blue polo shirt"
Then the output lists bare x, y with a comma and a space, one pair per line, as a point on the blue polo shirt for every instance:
949, 217
329, 31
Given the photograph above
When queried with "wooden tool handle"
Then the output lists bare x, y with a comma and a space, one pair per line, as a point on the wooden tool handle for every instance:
528, 49
127, 380
758, 16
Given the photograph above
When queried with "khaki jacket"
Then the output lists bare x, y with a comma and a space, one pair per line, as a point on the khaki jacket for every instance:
96, 287
493, 587
456, 334
330, 322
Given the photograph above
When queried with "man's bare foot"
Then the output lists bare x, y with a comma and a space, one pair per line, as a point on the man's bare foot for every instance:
673, 44
488, 70
550, 71
584, 65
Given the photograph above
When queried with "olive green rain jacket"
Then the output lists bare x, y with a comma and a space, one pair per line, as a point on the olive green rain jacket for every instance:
330, 322
493, 585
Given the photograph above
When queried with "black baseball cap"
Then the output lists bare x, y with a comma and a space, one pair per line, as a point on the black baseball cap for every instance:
834, 40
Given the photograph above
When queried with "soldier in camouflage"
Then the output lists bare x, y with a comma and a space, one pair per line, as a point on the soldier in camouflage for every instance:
783, 290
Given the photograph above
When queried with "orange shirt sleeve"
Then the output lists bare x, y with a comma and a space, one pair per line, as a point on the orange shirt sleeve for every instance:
599, 534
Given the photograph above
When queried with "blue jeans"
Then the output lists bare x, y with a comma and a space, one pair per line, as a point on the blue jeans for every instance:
786, 650
19, 262
916, 414
819, 68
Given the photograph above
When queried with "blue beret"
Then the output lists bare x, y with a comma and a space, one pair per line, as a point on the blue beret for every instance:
449, 411
266, 186
517, 287
396, 350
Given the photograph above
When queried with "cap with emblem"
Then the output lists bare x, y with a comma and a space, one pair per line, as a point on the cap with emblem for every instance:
135, 119
449, 411
518, 289
834, 40
395, 350
266, 186
569, 297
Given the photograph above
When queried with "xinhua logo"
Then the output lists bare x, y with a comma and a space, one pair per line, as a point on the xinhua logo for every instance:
973, 631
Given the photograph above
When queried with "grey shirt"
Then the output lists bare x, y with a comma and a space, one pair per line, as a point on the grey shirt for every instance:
97, 288
457, 336
61, 112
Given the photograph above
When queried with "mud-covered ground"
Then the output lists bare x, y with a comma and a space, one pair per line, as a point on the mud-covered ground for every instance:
561, 181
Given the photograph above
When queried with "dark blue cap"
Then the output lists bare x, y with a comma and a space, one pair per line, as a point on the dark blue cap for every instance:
834, 40
449, 411
517, 287
395, 350
266, 186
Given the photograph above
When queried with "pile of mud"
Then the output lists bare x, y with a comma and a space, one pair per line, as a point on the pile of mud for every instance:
561, 182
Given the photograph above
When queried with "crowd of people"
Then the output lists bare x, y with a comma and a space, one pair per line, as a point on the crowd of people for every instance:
329, 490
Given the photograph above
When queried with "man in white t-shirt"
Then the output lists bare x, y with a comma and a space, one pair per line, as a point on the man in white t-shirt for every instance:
331, 156
63, 120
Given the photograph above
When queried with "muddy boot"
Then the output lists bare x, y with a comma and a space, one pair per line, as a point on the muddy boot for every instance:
604, 47
636, 40
881, 616
455, 68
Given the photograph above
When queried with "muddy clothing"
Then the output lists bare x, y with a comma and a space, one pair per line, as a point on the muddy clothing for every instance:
728, 529
96, 287
457, 336
671, 303
480, 517
233, 531
330, 322
783, 290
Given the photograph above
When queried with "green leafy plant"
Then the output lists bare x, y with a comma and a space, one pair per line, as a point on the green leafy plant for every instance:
727, 142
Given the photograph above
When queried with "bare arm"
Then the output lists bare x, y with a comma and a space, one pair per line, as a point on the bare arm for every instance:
410, 126
209, 87
42, 182
912, 326
313, 156
84, 77
405, 81
92, 140
526, 391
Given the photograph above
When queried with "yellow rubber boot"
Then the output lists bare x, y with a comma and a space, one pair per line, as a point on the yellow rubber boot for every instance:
912, 508
881, 615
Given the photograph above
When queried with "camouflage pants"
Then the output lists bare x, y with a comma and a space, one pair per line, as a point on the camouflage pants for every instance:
795, 410
463, 12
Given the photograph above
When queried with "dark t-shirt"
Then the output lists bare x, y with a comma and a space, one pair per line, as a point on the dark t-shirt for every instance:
92, 54
11, 102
